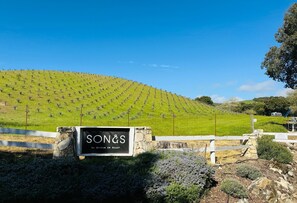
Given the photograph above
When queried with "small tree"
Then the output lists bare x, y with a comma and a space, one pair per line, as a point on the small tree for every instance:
205, 99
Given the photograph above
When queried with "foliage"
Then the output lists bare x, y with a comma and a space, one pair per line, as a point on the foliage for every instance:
280, 62
274, 104
205, 99
259, 106
177, 193
187, 172
292, 98
132, 179
234, 188
247, 171
267, 149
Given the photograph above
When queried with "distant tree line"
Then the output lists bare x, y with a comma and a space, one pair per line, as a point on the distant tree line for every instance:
287, 106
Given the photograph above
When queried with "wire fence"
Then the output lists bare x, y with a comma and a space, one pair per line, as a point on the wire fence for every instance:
201, 124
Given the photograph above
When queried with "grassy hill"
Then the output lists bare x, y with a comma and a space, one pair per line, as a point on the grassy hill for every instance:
53, 98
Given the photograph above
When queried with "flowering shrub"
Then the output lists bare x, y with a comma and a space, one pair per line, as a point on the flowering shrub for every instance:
184, 172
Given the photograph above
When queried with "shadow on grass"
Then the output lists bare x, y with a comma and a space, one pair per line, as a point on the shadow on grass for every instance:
27, 178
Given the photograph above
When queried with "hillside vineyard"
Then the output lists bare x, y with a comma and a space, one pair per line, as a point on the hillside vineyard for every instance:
47, 99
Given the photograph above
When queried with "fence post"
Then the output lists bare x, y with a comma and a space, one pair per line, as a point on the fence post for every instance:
173, 116
128, 118
252, 123
81, 115
215, 124
212, 149
27, 111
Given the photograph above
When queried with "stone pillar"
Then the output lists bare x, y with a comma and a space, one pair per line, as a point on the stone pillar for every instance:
64, 143
251, 151
142, 140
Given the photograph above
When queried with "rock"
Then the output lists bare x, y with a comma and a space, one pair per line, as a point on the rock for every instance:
291, 173
284, 184
258, 186
243, 201
276, 170
64, 144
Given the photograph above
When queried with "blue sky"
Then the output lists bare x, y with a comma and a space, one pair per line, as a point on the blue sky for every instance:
188, 47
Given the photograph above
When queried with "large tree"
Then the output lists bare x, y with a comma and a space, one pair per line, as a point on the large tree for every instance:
281, 62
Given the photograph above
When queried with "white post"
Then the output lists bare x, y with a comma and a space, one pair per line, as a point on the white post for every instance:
212, 151
293, 127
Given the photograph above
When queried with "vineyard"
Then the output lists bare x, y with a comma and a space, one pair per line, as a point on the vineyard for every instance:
43, 100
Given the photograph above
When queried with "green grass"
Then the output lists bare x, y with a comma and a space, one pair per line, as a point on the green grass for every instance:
55, 98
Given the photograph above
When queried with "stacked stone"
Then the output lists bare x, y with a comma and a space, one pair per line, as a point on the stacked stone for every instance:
142, 140
64, 143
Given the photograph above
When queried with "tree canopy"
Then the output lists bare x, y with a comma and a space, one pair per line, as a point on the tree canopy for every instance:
274, 104
205, 99
281, 62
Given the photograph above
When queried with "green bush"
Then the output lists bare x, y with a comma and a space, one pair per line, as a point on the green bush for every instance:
267, 149
234, 188
179, 193
247, 171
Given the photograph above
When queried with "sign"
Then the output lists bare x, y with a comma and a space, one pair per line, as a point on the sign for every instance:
105, 141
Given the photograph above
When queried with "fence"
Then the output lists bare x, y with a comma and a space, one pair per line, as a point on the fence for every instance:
28, 133
281, 137
212, 149
211, 138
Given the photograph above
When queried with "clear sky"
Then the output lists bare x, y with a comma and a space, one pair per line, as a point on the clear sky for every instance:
188, 47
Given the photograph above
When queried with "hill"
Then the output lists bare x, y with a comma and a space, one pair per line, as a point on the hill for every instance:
43, 100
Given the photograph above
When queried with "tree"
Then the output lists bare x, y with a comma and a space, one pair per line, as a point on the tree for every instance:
281, 62
274, 104
205, 99
292, 98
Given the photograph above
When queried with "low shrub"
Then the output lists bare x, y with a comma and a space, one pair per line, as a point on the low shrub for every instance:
179, 171
177, 193
247, 171
267, 149
234, 188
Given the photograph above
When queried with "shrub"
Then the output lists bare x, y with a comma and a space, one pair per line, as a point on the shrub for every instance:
234, 188
247, 171
178, 193
176, 171
267, 149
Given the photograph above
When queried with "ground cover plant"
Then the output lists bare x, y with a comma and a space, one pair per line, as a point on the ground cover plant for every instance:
143, 178
234, 188
247, 171
43, 100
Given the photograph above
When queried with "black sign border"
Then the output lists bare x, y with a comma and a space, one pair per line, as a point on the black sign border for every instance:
79, 144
